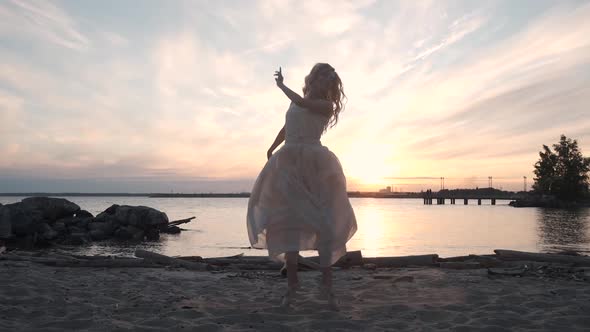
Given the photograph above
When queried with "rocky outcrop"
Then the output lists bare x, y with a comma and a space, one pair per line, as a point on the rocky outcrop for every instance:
45, 220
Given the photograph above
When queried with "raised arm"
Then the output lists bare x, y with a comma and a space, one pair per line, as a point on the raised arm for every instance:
324, 107
280, 138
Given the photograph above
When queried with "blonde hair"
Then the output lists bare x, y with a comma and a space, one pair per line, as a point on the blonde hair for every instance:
323, 82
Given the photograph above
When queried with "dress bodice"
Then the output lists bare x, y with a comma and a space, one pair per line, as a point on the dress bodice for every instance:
303, 126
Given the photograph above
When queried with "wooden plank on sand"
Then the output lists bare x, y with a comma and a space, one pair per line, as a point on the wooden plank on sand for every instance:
538, 257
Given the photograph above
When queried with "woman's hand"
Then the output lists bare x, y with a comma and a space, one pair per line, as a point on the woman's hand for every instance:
279, 77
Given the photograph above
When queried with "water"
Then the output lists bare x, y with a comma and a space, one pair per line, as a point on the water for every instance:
387, 227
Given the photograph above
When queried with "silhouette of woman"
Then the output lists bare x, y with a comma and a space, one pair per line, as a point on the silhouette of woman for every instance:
299, 200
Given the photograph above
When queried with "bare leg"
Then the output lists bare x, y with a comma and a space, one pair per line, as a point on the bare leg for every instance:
327, 277
326, 284
292, 277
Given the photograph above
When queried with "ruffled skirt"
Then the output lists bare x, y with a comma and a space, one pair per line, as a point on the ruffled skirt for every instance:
299, 202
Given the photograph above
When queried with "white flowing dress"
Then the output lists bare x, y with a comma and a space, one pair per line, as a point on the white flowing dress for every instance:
299, 200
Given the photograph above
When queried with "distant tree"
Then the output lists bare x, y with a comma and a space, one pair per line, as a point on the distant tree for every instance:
562, 172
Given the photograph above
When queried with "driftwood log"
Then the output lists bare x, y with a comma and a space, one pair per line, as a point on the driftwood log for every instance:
352, 258
19, 258
418, 260
482, 260
61, 260
172, 227
537, 257
460, 265
241, 262
180, 222
509, 262
511, 272
166, 260
108, 263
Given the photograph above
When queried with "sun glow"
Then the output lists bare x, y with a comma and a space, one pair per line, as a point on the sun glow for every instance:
369, 165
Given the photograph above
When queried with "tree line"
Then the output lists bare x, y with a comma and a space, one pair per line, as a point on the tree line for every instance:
562, 171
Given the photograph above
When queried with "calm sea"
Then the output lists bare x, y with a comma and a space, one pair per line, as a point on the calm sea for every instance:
386, 227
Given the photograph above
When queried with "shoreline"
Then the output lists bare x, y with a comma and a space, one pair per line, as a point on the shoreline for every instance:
408, 298
351, 194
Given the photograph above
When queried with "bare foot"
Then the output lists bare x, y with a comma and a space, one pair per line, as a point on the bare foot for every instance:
327, 294
289, 297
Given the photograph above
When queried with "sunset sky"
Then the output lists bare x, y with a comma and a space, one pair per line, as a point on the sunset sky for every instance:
160, 96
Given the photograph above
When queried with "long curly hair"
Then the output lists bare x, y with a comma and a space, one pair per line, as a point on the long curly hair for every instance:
323, 82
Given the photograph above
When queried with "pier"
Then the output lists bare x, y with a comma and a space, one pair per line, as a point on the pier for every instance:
442, 199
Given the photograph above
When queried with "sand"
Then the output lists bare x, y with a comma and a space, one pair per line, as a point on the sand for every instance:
36, 297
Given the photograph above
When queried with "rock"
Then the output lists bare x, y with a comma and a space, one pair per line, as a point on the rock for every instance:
98, 235
130, 233
5, 224
138, 236
84, 214
75, 229
42, 228
60, 227
47, 233
111, 209
23, 221
139, 216
132, 229
152, 234
51, 208
171, 230
69, 221
106, 219
77, 239
156, 218
123, 234
81, 223
46, 219
104, 227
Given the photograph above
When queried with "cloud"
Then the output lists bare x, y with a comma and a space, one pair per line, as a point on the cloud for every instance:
433, 88
499, 101
41, 19
458, 30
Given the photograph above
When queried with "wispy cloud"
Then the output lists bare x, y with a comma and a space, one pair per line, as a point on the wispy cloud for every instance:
458, 30
42, 19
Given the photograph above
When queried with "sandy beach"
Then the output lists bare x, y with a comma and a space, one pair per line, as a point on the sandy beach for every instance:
36, 297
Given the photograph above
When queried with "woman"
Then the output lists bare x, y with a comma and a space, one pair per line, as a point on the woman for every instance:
299, 200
